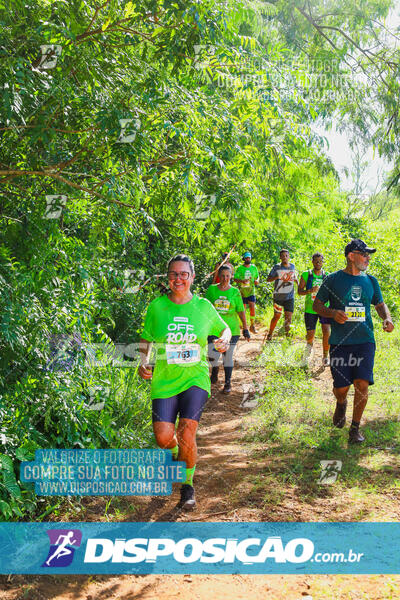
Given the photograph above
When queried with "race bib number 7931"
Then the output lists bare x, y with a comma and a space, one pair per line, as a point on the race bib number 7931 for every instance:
182, 354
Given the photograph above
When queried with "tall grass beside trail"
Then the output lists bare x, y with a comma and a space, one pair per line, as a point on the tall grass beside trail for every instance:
291, 429
289, 409
383, 408
108, 407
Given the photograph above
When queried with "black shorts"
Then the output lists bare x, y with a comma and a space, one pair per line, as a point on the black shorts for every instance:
287, 305
188, 404
248, 299
352, 362
312, 320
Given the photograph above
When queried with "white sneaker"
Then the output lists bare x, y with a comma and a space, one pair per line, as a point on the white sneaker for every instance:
325, 361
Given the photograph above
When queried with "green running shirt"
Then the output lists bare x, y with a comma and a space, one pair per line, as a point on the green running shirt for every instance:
316, 280
250, 272
227, 303
353, 294
180, 333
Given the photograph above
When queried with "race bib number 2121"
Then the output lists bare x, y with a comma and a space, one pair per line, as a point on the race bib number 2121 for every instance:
355, 313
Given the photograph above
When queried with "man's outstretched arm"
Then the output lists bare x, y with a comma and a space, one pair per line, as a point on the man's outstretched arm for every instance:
384, 314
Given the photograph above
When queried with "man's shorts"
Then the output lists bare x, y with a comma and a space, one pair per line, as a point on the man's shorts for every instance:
188, 404
352, 362
248, 299
286, 305
312, 320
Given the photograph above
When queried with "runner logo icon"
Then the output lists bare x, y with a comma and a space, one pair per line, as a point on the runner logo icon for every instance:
63, 543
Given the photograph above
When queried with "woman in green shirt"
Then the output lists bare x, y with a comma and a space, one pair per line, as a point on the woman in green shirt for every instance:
228, 302
179, 324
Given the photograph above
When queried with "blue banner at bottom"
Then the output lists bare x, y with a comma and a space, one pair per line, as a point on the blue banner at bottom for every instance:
212, 548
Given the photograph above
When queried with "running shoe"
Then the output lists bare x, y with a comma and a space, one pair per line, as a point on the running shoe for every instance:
227, 388
187, 501
325, 361
253, 329
355, 436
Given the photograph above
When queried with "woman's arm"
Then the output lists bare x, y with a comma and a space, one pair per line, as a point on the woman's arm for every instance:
242, 317
144, 350
222, 343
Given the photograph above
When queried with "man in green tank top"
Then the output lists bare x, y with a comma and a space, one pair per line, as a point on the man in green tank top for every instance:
247, 277
310, 282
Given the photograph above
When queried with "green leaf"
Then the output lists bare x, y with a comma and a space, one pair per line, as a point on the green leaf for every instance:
11, 484
6, 463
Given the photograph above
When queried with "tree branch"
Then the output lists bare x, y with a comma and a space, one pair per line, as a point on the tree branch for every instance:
319, 28
13, 173
96, 12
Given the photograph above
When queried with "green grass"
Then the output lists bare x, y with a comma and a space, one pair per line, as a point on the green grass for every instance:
291, 430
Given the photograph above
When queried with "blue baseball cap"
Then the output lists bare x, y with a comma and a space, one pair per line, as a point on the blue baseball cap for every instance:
358, 246
247, 255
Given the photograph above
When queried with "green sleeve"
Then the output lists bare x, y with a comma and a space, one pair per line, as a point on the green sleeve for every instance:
147, 333
304, 276
257, 273
239, 302
237, 273
377, 297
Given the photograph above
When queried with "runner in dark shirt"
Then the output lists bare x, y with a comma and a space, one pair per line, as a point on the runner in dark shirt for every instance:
350, 293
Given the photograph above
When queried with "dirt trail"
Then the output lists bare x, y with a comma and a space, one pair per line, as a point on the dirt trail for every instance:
223, 469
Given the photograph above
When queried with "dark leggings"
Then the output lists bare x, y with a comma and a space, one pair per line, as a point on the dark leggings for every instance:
188, 404
213, 356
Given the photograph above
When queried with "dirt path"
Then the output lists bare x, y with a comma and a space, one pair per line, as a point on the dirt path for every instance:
224, 487
223, 458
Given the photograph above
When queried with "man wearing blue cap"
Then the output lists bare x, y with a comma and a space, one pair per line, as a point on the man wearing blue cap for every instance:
351, 292
247, 277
